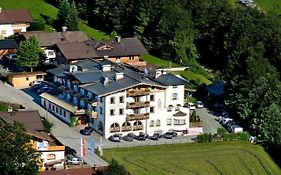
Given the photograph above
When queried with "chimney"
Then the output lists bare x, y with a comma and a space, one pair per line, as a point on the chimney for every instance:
118, 39
106, 68
64, 28
105, 81
119, 75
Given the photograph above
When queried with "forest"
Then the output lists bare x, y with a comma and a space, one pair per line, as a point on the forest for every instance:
242, 45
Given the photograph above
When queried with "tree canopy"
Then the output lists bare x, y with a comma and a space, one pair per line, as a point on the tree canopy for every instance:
17, 155
28, 53
68, 15
114, 168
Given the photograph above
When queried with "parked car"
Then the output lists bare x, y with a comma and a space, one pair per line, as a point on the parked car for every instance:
11, 56
87, 130
43, 89
115, 138
69, 150
129, 137
199, 104
236, 128
155, 136
142, 136
168, 135
226, 120
191, 106
74, 160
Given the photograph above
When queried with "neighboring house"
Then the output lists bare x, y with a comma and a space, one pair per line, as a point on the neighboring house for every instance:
7, 46
52, 152
48, 40
74, 171
116, 98
125, 50
24, 79
14, 21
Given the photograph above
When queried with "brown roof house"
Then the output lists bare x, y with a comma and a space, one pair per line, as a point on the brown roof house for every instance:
52, 151
14, 21
120, 50
48, 40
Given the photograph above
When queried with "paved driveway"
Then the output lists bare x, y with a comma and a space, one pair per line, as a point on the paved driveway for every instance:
210, 125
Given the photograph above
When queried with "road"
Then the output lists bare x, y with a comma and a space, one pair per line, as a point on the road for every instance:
66, 135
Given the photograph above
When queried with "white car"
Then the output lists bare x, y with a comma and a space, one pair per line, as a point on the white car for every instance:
191, 106
235, 128
199, 104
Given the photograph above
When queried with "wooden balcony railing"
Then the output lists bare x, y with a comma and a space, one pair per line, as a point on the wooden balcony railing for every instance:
126, 128
138, 104
116, 129
138, 127
138, 92
131, 117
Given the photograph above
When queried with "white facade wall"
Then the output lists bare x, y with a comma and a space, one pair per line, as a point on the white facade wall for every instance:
162, 99
58, 156
9, 29
60, 112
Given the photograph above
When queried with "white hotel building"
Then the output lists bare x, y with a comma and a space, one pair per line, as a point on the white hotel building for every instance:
114, 98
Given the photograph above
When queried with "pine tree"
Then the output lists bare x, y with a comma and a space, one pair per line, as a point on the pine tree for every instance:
72, 20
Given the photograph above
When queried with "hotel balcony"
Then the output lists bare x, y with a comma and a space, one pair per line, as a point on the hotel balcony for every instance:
138, 127
92, 114
116, 129
126, 128
138, 104
131, 117
138, 92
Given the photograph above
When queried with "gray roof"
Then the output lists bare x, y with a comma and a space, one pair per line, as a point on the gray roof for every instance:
170, 80
47, 39
8, 44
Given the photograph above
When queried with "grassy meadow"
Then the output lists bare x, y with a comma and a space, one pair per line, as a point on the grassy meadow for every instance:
229, 158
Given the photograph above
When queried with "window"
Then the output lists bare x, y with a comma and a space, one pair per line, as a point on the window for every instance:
177, 108
151, 123
60, 111
101, 99
158, 122
152, 98
39, 77
100, 110
121, 111
121, 99
57, 110
112, 100
169, 122
44, 103
174, 96
26, 78
53, 107
64, 113
174, 87
112, 111
179, 122
131, 58
51, 157
49, 105
152, 109
170, 107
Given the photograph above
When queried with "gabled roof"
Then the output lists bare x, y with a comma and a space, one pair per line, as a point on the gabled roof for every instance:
15, 16
76, 50
30, 119
126, 47
47, 39
8, 44
170, 80
179, 114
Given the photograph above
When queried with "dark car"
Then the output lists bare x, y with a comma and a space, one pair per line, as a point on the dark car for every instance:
155, 136
168, 135
142, 136
87, 130
69, 150
115, 138
129, 137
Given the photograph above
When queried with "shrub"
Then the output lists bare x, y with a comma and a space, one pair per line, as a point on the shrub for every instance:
73, 121
47, 125
192, 118
203, 138
37, 25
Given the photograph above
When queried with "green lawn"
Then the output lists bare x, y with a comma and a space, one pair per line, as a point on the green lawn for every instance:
41, 10
158, 62
207, 158
189, 75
